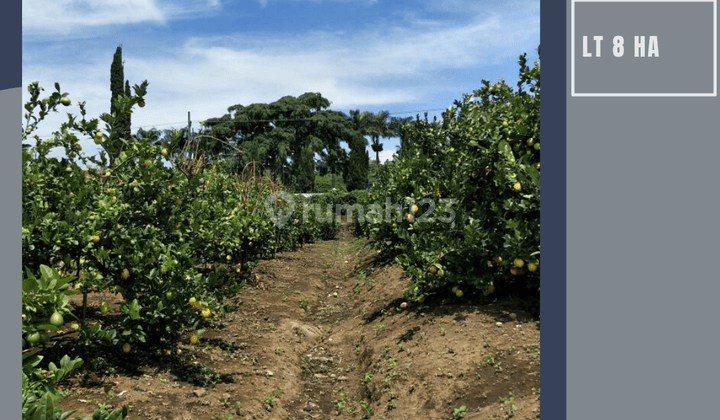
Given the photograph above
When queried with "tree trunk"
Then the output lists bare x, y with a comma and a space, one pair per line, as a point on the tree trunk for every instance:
333, 180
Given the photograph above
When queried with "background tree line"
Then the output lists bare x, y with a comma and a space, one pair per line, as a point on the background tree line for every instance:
293, 140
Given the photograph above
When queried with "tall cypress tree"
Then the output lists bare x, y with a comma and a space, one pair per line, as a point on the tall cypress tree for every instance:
127, 132
358, 164
118, 86
117, 79
305, 177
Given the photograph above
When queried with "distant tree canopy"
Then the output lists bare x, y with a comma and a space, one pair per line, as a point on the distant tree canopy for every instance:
285, 137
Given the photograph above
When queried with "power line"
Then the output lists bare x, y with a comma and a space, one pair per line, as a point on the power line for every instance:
184, 123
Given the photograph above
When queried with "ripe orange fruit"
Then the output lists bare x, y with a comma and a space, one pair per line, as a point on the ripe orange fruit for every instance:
125, 274
205, 312
194, 339
498, 259
532, 267
519, 263
126, 348
517, 186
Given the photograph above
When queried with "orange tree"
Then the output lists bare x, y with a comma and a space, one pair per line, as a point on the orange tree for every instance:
141, 225
467, 191
145, 222
56, 228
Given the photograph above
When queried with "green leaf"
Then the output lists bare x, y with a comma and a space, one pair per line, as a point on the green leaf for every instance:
45, 327
505, 150
533, 174
118, 414
133, 309
45, 408
46, 274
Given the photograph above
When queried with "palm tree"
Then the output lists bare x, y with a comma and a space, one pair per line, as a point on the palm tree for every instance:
381, 128
396, 124
374, 125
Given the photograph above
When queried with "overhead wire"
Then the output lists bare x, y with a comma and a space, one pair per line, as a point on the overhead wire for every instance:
45, 136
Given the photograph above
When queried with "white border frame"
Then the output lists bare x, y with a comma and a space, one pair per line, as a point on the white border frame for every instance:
572, 52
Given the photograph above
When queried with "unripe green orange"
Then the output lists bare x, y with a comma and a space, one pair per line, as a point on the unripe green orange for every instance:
57, 319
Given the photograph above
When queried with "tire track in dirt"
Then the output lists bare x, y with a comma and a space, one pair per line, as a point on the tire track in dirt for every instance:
319, 333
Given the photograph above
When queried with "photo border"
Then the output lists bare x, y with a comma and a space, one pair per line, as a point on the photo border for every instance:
640, 95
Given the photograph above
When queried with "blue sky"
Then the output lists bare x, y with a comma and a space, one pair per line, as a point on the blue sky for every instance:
204, 56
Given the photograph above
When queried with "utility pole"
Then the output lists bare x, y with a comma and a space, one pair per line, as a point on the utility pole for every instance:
189, 125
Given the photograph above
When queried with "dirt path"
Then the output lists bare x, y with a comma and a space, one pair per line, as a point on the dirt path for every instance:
320, 333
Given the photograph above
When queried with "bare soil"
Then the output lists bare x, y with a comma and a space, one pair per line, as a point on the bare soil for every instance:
322, 333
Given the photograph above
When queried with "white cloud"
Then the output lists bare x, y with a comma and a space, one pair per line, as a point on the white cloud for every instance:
84, 18
65, 16
378, 67
385, 155
264, 3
